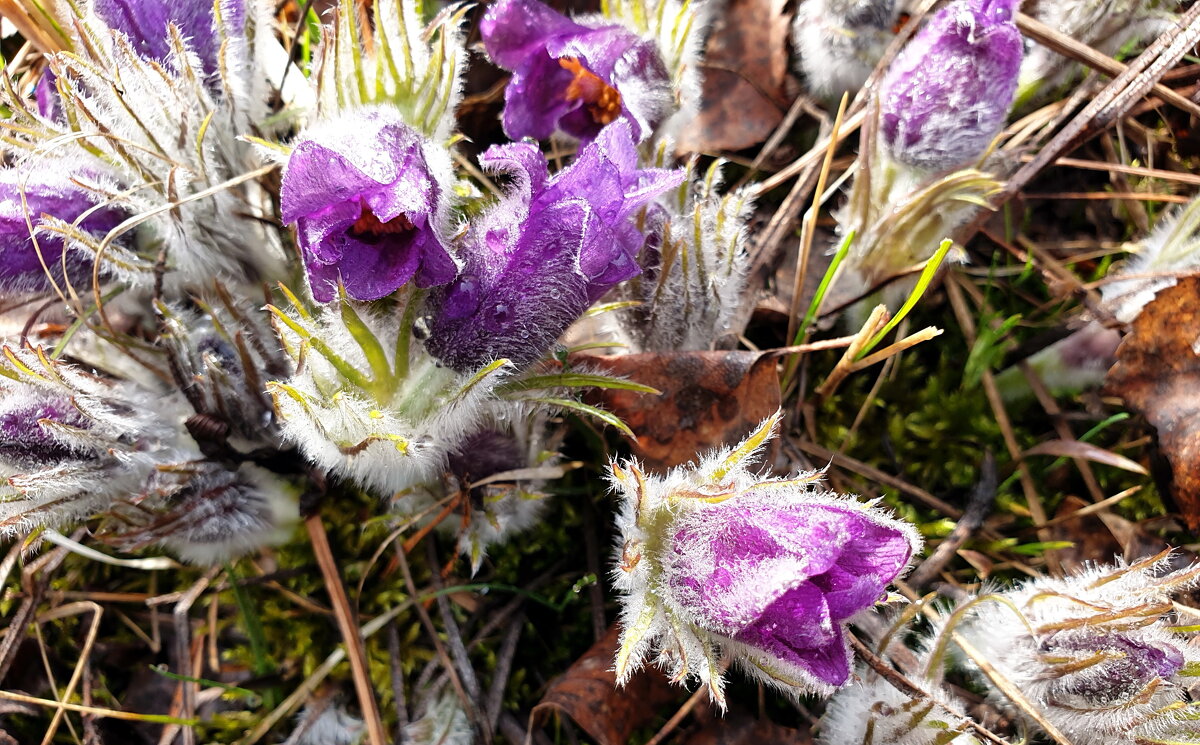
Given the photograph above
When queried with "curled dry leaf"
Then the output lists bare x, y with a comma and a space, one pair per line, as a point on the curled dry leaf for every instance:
1158, 375
707, 400
1087, 451
588, 694
745, 74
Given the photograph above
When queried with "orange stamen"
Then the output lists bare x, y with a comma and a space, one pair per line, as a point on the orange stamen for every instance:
368, 225
603, 101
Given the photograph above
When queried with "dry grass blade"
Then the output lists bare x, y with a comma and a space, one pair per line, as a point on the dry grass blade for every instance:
1080, 52
350, 633
1117, 98
89, 641
809, 226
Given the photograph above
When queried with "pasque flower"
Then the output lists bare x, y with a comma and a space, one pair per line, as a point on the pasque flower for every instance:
948, 93
29, 193
145, 23
368, 196
1098, 652
573, 76
71, 442
552, 246
715, 559
839, 42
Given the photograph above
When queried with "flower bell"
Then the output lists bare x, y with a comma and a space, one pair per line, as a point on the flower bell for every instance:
368, 196
947, 94
1096, 652
716, 560
573, 76
29, 194
550, 248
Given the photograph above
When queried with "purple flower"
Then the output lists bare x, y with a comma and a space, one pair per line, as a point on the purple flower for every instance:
545, 252
718, 561
782, 577
27, 435
571, 76
52, 188
45, 95
367, 195
948, 93
145, 23
1108, 669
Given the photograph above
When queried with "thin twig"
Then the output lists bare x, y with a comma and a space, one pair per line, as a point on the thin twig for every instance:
494, 702
979, 504
458, 651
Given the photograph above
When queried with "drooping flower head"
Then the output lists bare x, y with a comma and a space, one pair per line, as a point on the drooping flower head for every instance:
29, 194
206, 513
549, 249
71, 442
948, 93
576, 77
1097, 652
368, 196
716, 559
145, 23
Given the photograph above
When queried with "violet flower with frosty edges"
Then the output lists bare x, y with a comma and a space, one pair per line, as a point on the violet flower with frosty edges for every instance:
368, 196
550, 248
716, 560
54, 189
572, 76
145, 23
1101, 652
947, 94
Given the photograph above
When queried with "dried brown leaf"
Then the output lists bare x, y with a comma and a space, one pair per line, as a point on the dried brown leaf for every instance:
1158, 375
1087, 451
745, 73
588, 694
707, 400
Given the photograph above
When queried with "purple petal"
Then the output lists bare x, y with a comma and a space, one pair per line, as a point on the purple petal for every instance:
534, 101
948, 93
145, 23
512, 30
48, 188
547, 250
364, 201
797, 629
24, 440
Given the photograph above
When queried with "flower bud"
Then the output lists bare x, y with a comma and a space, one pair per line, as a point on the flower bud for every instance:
572, 76
874, 711
946, 96
208, 514
145, 23
72, 443
839, 42
31, 192
549, 249
1096, 652
368, 196
718, 560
